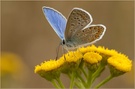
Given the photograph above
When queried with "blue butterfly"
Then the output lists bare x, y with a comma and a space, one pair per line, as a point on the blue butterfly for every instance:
76, 31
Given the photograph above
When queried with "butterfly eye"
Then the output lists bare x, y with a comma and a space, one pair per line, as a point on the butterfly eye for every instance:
63, 42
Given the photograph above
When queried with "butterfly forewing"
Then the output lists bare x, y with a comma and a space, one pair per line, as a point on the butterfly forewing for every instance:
77, 20
56, 20
89, 35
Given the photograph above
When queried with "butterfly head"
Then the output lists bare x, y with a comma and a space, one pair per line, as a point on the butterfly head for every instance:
68, 45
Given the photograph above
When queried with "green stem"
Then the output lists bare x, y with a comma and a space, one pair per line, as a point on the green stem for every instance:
55, 84
89, 79
60, 83
84, 72
79, 85
104, 81
72, 80
97, 72
80, 77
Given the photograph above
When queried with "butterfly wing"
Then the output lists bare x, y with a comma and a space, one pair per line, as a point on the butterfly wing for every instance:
77, 20
89, 35
56, 20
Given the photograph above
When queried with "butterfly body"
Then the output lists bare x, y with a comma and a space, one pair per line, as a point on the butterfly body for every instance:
77, 31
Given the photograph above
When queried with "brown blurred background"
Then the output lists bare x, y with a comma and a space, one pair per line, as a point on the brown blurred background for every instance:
27, 34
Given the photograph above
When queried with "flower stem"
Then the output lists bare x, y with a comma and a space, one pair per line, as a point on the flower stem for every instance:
54, 83
80, 77
72, 80
104, 81
60, 83
89, 79
80, 85
98, 72
84, 72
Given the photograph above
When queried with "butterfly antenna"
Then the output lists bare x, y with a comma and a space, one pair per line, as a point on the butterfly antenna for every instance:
57, 51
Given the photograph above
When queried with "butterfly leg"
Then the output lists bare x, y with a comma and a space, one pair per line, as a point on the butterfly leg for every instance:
57, 51
63, 51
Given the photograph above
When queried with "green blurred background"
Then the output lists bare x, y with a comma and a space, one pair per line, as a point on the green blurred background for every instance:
28, 39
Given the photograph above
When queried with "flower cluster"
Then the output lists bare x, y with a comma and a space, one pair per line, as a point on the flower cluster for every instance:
84, 66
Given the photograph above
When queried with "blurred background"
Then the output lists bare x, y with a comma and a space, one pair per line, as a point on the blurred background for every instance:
27, 39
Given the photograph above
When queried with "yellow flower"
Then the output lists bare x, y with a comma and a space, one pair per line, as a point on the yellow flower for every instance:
107, 52
92, 57
73, 56
11, 64
92, 61
99, 49
87, 61
72, 61
49, 65
84, 50
49, 69
120, 62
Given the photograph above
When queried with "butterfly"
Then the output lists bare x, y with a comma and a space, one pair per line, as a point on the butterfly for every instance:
77, 30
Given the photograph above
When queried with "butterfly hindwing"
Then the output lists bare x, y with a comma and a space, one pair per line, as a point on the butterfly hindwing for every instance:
89, 35
56, 20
